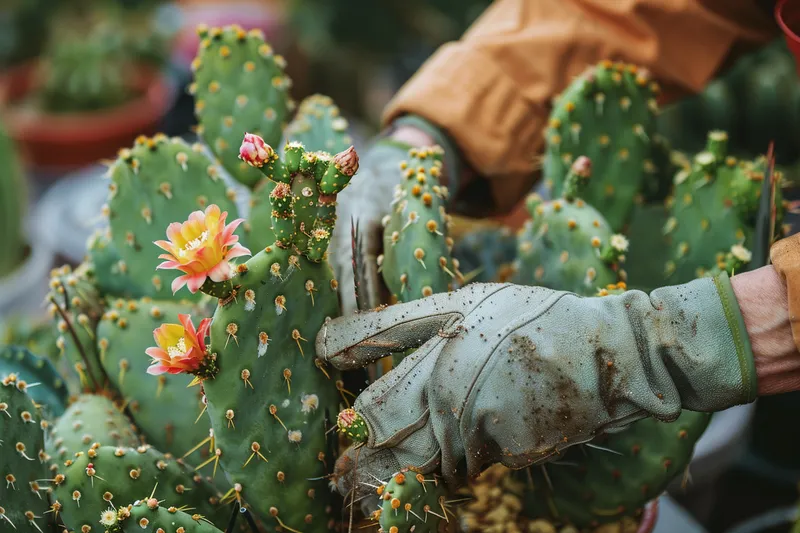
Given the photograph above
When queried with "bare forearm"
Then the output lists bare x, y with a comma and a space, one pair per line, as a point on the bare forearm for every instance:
763, 301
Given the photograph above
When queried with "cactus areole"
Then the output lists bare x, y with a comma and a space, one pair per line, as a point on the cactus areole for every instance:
270, 400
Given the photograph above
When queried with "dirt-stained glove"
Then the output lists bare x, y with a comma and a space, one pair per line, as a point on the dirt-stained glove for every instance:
514, 374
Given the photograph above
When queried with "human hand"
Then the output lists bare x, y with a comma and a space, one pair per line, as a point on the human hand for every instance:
514, 374
365, 201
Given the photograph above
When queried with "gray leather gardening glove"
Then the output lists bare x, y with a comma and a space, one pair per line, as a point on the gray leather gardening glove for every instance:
514, 374
368, 198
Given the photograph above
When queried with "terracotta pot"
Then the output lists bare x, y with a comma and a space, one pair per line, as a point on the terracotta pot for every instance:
66, 141
787, 14
649, 518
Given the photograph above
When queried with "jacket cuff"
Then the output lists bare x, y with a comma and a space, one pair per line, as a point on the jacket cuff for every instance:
744, 351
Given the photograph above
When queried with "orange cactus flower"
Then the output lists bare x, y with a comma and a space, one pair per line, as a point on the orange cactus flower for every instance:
201, 248
180, 348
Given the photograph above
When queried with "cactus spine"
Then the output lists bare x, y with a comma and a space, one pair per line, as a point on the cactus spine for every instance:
410, 502
607, 114
148, 516
50, 392
568, 245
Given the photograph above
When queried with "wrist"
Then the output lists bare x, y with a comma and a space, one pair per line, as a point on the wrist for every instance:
763, 301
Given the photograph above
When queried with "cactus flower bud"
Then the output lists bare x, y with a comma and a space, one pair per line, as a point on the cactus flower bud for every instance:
346, 162
582, 167
254, 151
180, 348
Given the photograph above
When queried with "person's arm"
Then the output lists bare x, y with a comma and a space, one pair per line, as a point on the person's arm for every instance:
490, 91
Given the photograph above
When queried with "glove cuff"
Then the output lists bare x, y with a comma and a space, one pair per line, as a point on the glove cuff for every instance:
785, 258
452, 157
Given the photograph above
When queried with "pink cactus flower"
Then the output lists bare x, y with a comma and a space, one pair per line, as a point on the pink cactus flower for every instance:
201, 248
181, 348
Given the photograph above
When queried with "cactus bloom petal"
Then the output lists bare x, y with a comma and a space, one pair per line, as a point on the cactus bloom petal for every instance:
180, 347
201, 248
254, 151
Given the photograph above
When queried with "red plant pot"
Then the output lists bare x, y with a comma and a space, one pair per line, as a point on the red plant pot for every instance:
649, 518
56, 142
787, 14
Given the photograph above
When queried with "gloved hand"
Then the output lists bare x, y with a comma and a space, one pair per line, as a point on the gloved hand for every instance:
368, 198
514, 374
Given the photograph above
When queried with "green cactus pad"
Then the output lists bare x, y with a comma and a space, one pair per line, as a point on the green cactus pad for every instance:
49, 391
273, 401
165, 409
713, 209
23, 461
90, 418
417, 260
158, 181
319, 126
485, 255
240, 87
103, 476
568, 245
111, 274
147, 516
76, 307
411, 502
607, 114
616, 477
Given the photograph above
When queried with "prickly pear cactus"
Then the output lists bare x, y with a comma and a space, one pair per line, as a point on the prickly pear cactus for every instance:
105, 476
567, 244
90, 418
607, 114
147, 516
319, 126
23, 461
166, 410
111, 274
76, 306
411, 502
157, 181
240, 87
271, 401
713, 209
486, 255
616, 475
417, 260
50, 391
13, 200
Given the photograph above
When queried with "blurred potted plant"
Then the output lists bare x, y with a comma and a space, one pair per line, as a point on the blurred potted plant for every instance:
23, 28
93, 90
24, 265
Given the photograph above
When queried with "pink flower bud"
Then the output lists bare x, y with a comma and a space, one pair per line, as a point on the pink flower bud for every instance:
346, 162
254, 151
582, 167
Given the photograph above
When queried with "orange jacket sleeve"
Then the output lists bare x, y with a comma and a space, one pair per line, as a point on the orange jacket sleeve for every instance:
490, 91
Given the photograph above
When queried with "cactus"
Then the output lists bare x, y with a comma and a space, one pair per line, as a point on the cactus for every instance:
50, 391
90, 418
147, 516
608, 115
239, 87
319, 126
111, 274
13, 195
270, 399
714, 207
158, 179
104, 476
36, 333
76, 307
568, 245
411, 503
164, 410
23, 461
417, 259
616, 475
